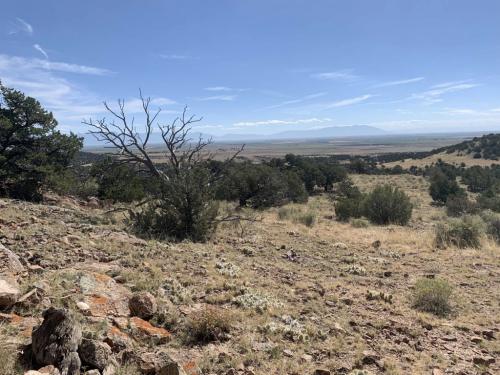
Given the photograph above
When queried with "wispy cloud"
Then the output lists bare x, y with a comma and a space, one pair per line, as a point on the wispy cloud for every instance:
280, 122
69, 102
437, 91
470, 111
450, 83
21, 26
296, 101
218, 88
350, 101
173, 56
224, 89
400, 82
7, 61
41, 50
224, 98
340, 75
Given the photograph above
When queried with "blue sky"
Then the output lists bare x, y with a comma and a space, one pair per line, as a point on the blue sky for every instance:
262, 66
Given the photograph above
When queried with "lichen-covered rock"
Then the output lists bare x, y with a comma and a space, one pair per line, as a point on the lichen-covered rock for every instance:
95, 353
143, 305
56, 341
9, 262
143, 330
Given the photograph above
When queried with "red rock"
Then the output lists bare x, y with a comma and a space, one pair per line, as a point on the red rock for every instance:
142, 329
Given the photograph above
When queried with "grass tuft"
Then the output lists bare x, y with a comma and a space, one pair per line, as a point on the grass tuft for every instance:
432, 296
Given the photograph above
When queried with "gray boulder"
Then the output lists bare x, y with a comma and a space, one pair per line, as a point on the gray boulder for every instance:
56, 341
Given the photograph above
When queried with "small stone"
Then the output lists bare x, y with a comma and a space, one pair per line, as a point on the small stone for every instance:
321, 372
143, 305
248, 251
449, 338
306, 358
340, 246
370, 357
346, 300
120, 279
476, 339
82, 306
9, 292
287, 353
95, 353
489, 334
436, 371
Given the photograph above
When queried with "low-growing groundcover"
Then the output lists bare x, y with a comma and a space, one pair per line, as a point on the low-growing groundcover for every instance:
432, 296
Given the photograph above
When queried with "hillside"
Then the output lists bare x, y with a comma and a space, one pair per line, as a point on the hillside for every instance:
481, 151
325, 299
485, 147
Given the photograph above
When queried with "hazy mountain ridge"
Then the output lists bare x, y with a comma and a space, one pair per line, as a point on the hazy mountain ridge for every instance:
326, 132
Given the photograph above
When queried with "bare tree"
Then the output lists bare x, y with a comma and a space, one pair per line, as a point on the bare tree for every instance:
184, 205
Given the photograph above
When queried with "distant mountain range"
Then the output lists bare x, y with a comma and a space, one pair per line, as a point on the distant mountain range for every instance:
327, 132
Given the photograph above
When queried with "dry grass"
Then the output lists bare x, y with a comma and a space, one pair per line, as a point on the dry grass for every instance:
298, 306
8, 353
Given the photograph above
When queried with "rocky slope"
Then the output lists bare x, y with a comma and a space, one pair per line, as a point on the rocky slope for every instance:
270, 297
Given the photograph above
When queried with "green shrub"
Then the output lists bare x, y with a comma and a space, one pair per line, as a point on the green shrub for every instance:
76, 181
492, 221
346, 208
442, 186
458, 205
347, 189
479, 179
296, 191
433, 296
360, 223
490, 199
184, 209
387, 205
462, 232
